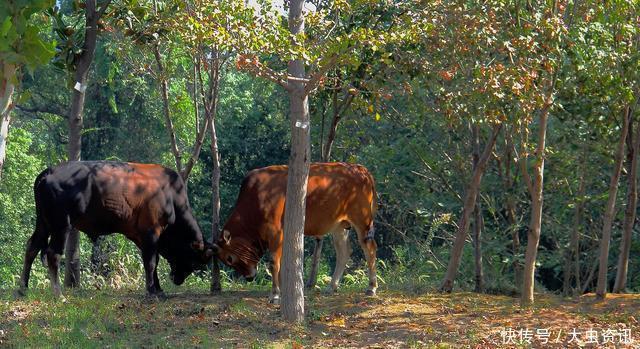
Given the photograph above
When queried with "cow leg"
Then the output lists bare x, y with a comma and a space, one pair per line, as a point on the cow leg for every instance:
340, 239
315, 263
54, 254
369, 247
156, 281
274, 297
36, 243
150, 261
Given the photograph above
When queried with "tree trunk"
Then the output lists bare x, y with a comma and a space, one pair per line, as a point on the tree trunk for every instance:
469, 203
338, 111
609, 214
298, 175
7, 88
4, 133
215, 215
196, 111
477, 248
510, 207
216, 286
630, 212
587, 282
477, 218
83, 63
164, 93
535, 225
573, 257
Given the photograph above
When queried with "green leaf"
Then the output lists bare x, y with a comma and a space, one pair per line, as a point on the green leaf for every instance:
6, 25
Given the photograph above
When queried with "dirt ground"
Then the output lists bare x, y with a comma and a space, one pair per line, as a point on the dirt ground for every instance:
112, 318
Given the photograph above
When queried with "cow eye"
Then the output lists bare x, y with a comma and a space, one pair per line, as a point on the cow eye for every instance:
229, 259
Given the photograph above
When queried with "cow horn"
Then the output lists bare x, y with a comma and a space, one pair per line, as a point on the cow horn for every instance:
226, 236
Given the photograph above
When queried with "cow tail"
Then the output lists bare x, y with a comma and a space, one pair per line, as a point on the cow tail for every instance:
39, 214
374, 208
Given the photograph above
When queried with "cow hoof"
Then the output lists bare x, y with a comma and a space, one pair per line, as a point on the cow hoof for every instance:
330, 290
57, 294
371, 293
274, 300
20, 293
157, 296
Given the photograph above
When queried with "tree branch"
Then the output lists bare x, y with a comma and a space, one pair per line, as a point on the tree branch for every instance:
314, 80
167, 112
103, 9
42, 109
255, 67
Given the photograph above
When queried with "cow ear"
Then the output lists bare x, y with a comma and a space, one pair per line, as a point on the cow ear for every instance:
226, 236
197, 245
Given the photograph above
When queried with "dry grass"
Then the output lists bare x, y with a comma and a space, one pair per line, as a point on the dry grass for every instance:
112, 318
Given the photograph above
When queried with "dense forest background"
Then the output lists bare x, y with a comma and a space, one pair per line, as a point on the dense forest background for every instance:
413, 90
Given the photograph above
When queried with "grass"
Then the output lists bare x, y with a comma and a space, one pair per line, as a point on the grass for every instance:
190, 317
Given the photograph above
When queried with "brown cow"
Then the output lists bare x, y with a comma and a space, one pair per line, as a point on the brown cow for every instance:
339, 196
148, 203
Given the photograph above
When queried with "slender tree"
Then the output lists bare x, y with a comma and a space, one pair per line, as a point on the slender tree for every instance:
535, 225
74, 148
630, 212
293, 246
572, 262
477, 215
609, 213
470, 197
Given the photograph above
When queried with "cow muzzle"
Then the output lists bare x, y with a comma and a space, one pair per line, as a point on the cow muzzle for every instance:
175, 279
252, 274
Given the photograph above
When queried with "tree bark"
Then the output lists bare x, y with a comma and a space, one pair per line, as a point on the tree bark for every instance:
477, 218
4, 134
510, 206
212, 111
7, 89
535, 225
83, 63
216, 286
469, 203
196, 111
630, 212
298, 175
338, 112
573, 257
587, 282
609, 214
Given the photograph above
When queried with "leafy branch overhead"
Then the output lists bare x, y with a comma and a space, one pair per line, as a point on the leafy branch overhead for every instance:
263, 45
21, 39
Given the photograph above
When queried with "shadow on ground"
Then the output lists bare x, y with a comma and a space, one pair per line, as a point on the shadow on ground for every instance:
117, 318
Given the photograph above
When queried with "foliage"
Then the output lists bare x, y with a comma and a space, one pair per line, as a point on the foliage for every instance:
16, 195
419, 72
21, 43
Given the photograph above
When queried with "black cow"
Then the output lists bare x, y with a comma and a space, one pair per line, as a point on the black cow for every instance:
147, 203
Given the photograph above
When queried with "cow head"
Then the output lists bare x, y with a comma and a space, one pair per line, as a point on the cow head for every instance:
239, 253
194, 256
